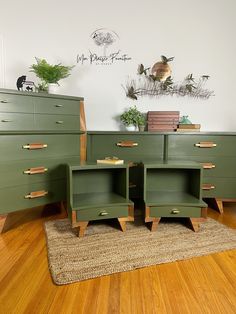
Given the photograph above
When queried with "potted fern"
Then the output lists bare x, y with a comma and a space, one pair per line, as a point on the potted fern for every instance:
49, 74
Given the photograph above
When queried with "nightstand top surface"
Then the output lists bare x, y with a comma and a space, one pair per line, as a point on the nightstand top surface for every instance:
93, 165
180, 164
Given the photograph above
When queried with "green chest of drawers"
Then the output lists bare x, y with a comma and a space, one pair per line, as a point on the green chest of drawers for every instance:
38, 134
216, 151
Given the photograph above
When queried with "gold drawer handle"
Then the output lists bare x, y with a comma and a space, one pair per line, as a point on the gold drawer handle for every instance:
7, 120
205, 145
59, 122
58, 106
127, 144
103, 213
36, 170
208, 186
208, 165
36, 194
175, 211
4, 101
35, 146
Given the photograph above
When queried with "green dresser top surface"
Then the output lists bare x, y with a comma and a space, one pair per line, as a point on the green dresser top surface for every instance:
180, 164
93, 165
34, 94
159, 133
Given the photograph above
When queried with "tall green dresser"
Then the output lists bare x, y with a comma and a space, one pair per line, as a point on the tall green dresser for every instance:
39, 134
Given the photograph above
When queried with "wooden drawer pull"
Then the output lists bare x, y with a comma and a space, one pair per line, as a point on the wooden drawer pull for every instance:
127, 144
4, 101
59, 122
208, 186
205, 145
7, 120
103, 213
208, 165
36, 194
175, 211
35, 146
36, 170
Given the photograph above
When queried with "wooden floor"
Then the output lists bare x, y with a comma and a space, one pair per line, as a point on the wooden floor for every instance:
199, 285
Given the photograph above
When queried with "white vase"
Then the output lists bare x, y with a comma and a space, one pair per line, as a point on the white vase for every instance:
130, 127
53, 88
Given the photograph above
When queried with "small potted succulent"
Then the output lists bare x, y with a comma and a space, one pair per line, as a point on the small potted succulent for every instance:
49, 74
141, 122
130, 118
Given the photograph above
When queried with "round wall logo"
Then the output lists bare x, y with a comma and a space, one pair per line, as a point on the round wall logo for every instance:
103, 38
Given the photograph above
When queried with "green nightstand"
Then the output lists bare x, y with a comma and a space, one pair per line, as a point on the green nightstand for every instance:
173, 189
98, 191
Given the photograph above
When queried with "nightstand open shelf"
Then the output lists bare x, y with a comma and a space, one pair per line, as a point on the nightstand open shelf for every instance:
98, 192
173, 189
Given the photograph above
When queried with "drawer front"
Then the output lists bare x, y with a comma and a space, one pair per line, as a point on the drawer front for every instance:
17, 198
219, 187
213, 166
57, 122
16, 121
172, 211
57, 106
31, 171
189, 145
55, 145
16, 103
141, 146
102, 213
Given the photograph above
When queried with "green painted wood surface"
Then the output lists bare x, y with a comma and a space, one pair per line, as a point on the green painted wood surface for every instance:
171, 211
56, 122
13, 198
56, 106
224, 187
16, 103
58, 145
16, 121
185, 145
106, 212
104, 145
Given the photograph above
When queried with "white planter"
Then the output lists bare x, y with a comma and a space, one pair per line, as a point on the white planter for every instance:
130, 127
53, 88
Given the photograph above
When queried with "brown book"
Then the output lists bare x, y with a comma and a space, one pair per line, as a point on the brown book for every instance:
188, 130
189, 126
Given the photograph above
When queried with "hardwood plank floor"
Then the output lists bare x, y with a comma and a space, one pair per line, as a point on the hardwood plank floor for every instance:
200, 285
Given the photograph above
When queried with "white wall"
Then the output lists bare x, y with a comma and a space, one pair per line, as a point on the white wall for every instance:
199, 34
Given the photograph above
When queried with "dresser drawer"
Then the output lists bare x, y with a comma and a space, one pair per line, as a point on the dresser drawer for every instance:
201, 145
102, 213
19, 197
57, 123
219, 187
16, 121
16, 103
213, 166
31, 171
175, 211
14, 147
56, 106
135, 147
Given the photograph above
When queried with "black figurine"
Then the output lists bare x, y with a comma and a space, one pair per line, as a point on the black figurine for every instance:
20, 81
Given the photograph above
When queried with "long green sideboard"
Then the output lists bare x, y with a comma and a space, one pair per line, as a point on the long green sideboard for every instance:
39, 134
216, 151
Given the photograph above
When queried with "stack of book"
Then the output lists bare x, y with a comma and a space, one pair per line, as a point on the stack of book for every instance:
189, 128
110, 161
162, 120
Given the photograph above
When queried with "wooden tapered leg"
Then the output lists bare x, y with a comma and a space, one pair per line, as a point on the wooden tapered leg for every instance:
122, 222
195, 224
82, 225
155, 224
215, 203
2, 222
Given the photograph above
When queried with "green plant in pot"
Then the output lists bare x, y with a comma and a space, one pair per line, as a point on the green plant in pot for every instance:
49, 74
130, 118
141, 122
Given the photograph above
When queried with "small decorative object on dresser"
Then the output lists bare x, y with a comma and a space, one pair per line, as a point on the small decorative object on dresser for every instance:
131, 118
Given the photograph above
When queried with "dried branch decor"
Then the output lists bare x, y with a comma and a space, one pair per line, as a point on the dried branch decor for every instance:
157, 81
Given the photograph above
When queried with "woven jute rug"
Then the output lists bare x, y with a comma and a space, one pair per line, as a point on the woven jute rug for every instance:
105, 249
